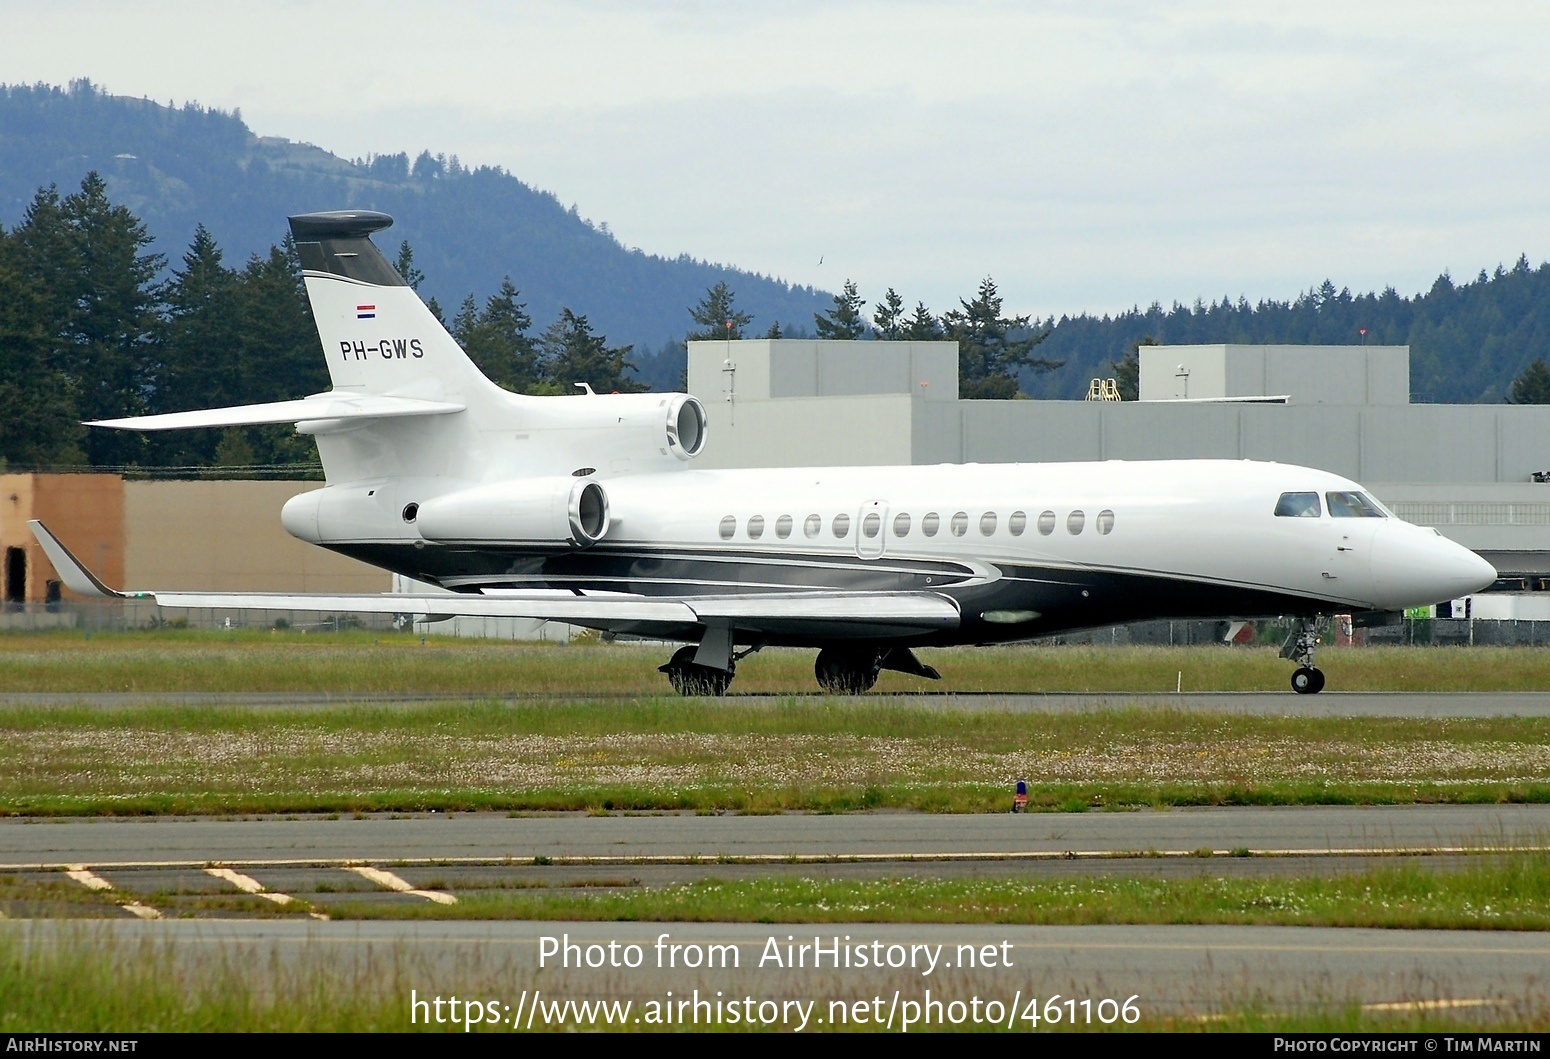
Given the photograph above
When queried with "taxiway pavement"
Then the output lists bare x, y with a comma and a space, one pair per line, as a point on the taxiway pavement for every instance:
478, 837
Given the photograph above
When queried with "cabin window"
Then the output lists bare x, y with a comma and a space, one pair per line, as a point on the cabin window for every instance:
728, 527
1352, 505
812, 526
1105, 521
783, 527
1075, 521
841, 526
1046, 522
930, 524
901, 525
1017, 523
872, 525
960, 524
756, 527
987, 523
1298, 505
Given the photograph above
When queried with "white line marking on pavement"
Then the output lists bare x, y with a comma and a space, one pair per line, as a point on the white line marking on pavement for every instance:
88, 879
248, 885
392, 882
92, 881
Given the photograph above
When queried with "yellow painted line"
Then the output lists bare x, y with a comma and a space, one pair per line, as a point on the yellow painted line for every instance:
1433, 1005
92, 881
388, 880
248, 885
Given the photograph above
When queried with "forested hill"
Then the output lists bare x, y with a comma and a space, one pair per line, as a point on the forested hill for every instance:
1468, 341
177, 167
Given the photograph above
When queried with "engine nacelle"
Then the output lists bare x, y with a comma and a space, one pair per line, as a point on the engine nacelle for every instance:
653, 430
552, 511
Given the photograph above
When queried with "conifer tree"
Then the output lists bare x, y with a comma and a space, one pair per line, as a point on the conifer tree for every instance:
921, 326
991, 347
106, 307
280, 358
1127, 370
496, 339
573, 354
1532, 386
38, 421
717, 319
844, 321
404, 265
200, 363
889, 317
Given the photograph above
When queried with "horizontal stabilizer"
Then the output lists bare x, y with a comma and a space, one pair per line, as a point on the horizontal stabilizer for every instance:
309, 409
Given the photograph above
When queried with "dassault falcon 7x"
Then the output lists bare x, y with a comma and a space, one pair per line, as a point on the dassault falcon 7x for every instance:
588, 509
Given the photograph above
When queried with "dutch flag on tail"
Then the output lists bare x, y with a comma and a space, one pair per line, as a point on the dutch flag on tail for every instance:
365, 312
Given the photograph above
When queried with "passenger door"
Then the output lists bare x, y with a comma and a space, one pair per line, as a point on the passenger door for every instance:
871, 529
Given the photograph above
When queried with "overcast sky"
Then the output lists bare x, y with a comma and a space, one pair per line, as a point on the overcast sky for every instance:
1087, 155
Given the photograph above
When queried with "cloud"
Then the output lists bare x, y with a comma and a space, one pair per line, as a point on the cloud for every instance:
1088, 156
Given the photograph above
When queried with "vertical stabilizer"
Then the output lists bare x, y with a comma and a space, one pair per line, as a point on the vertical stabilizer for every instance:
378, 337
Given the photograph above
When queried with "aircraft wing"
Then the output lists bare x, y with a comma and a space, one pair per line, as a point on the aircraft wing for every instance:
848, 613
308, 409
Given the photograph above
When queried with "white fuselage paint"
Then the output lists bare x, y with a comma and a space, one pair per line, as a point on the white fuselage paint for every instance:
1178, 526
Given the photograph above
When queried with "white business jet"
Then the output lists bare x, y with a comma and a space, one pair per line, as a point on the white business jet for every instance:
588, 510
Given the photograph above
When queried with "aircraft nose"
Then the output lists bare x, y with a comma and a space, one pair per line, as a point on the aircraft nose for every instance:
1413, 566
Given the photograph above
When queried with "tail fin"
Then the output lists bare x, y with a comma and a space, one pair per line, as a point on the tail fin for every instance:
378, 337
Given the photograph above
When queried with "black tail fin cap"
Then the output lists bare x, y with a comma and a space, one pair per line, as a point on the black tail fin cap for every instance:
338, 224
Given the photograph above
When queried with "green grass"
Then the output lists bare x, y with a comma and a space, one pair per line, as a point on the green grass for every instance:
85, 981
1507, 892
246, 660
810, 754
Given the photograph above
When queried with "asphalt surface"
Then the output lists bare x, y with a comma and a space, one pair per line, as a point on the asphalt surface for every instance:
620, 838
1190, 970
1264, 703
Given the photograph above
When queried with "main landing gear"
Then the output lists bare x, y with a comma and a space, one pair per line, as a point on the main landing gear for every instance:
690, 678
707, 668
853, 670
1306, 679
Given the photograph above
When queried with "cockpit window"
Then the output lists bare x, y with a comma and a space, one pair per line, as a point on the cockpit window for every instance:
1353, 505
1298, 505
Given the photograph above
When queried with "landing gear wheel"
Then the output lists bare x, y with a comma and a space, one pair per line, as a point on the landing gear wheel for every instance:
1308, 681
846, 672
689, 678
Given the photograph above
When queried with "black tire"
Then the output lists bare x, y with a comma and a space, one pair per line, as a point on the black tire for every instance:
690, 679
1307, 681
842, 672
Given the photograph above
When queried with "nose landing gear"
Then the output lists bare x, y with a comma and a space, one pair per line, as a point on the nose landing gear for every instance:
1306, 679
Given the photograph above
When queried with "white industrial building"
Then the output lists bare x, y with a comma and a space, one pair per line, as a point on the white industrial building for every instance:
1466, 469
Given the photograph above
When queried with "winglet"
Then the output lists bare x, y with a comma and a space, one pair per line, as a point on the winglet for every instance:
77, 578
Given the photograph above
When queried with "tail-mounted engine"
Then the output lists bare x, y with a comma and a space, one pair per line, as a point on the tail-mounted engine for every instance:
553, 511
615, 432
